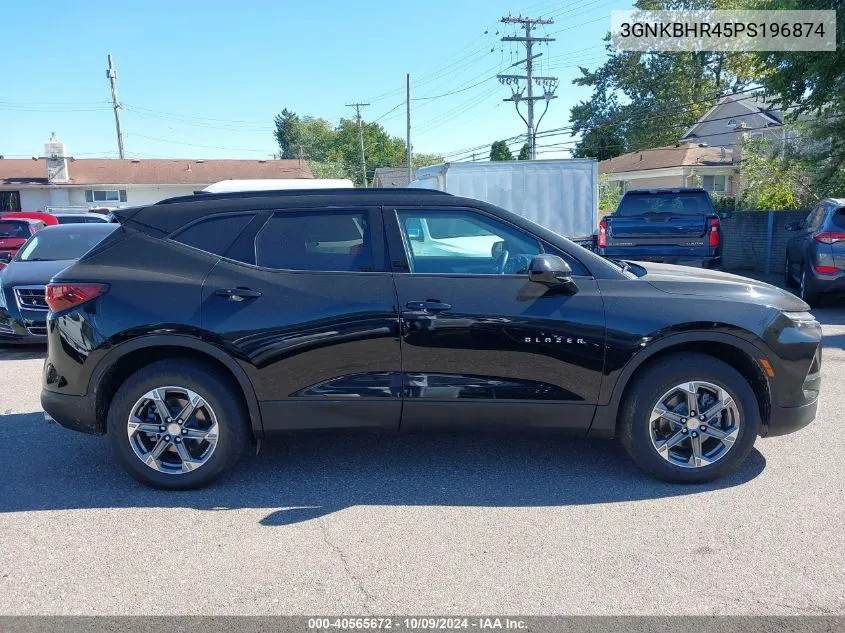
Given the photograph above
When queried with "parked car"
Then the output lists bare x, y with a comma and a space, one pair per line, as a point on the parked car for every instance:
81, 218
815, 256
675, 226
47, 218
23, 309
13, 234
208, 321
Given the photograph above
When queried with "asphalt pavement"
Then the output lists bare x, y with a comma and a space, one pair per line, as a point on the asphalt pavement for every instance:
440, 524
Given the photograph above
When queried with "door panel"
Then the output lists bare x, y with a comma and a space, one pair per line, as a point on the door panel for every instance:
320, 347
504, 340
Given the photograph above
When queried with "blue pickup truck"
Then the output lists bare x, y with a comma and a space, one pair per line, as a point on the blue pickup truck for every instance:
674, 226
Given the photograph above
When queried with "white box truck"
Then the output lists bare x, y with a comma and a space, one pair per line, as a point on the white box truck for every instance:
560, 195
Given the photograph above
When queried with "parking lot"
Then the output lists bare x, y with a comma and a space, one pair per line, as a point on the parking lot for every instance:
421, 524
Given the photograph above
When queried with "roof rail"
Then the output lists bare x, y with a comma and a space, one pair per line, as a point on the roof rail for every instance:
234, 195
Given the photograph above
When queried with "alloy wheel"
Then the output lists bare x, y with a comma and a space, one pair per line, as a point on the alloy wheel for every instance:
694, 424
172, 430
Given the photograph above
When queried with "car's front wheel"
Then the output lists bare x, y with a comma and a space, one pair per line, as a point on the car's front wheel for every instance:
689, 418
175, 424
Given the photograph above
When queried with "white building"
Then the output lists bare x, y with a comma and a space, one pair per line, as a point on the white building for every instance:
58, 181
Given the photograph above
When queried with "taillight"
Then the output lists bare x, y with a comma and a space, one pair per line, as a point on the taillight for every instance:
64, 296
829, 237
826, 270
603, 234
714, 231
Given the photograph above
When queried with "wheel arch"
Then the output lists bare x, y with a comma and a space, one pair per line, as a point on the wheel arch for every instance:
733, 350
125, 359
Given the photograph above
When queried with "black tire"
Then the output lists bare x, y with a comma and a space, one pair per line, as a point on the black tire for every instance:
658, 378
788, 279
805, 290
214, 388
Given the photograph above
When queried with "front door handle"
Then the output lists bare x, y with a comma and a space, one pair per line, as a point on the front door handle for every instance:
237, 294
429, 305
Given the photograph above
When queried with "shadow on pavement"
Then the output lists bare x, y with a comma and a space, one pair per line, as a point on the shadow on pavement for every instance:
44, 467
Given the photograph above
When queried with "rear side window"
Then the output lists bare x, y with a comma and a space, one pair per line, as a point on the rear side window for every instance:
336, 241
214, 235
681, 203
14, 229
838, 218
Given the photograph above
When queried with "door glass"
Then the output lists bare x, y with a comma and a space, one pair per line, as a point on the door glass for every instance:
464, 242
337, 241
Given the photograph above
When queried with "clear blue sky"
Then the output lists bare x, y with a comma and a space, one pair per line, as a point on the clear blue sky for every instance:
205, 79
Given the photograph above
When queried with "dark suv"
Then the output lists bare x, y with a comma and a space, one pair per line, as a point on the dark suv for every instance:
815, 257
205, 322
674, 226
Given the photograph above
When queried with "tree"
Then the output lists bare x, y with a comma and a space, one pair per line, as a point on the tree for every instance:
523, 153
335, 151
424, 160
811, 85
499, 150
642, 100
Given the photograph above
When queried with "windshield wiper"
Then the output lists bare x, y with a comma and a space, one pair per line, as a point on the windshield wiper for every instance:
625, 266
38, 259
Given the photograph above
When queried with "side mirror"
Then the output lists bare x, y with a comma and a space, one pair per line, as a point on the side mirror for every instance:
724, 215
414, 230
794, 226
553, 272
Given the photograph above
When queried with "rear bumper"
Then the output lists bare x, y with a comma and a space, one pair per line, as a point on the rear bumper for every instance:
72, 412
637, 255
834, 284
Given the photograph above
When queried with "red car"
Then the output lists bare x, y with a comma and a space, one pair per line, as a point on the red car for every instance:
47, 218
13, 233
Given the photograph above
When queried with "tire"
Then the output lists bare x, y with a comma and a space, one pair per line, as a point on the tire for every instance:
636, 429
788, 280
219, 420
805, 291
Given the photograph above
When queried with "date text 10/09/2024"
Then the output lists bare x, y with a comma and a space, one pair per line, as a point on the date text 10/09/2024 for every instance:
416, 623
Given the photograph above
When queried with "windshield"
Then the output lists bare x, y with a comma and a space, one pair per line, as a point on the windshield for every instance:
681, 203
14, 229
47, 246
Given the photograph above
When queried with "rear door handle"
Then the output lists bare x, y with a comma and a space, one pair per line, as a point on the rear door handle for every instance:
237, 294
429, 305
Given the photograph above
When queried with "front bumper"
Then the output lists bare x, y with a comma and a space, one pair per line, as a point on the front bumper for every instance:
72, 412
783, 420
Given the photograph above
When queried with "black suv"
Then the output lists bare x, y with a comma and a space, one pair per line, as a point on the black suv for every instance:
206, 322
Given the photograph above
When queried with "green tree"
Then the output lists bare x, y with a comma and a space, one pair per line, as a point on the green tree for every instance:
499, 150
775, 176
286, 134
523, 152
424, 160
642, 100
811, 85
609, 195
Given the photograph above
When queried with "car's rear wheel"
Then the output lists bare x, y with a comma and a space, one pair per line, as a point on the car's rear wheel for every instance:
175, 424
788, 279
689, 418
805, 289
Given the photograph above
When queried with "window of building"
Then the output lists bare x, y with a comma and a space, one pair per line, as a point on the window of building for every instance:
336, 241
732, 123
105, 195
715, 184
10, 200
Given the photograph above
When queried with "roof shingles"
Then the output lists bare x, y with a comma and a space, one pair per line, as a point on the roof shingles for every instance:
109, 171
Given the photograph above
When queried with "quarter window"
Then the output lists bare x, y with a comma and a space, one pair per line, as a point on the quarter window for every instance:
214, 235
316, 240
464, 242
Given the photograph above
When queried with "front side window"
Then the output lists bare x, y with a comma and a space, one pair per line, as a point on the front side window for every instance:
316, 240
464, 242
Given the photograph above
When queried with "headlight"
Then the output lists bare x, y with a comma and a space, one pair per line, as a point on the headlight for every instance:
800, 317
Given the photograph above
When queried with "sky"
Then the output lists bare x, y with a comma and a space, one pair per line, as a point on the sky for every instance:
205, 79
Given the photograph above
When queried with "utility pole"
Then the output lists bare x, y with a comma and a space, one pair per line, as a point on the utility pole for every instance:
549, 83
111, 73
408, 107
358, 107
